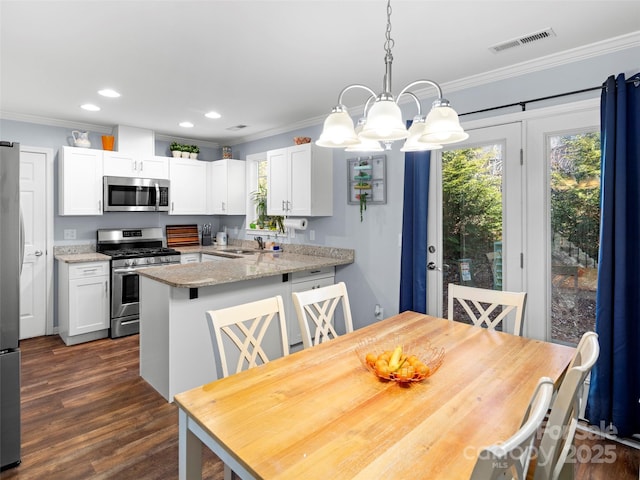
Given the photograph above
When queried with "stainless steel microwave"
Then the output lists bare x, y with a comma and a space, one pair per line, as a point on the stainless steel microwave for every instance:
124, 194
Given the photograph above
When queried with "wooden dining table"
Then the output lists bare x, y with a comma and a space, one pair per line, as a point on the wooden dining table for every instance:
321, 414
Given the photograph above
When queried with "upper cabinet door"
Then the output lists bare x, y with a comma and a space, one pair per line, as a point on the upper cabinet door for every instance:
154, 167
300, 181
228, 187
188, 189
80, 181
277, 182
118, 164
124, 165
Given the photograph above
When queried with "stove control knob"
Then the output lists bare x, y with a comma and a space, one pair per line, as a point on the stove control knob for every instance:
151, 260
129, 263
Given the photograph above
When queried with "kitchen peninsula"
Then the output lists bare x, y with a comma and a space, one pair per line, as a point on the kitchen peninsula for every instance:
176, 352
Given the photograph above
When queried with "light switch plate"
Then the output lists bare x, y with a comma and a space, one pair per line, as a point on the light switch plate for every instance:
69, 233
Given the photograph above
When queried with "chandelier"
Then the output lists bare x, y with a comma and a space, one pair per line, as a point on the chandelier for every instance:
382, 121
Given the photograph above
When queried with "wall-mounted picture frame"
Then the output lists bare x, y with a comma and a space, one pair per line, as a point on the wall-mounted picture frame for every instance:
367, 175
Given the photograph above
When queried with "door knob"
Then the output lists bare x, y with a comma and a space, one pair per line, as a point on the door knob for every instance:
38, 253
432, 266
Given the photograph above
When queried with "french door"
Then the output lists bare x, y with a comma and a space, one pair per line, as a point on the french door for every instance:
475, 218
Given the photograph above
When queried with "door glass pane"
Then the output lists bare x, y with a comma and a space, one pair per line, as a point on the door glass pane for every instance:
575, 228
472, 218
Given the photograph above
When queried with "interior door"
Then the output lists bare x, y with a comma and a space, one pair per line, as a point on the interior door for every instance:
475, 230
33, 281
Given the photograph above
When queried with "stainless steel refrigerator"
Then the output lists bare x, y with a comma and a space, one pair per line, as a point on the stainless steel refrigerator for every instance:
11, 256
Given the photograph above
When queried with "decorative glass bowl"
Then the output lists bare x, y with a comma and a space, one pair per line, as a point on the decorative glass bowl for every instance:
417, 361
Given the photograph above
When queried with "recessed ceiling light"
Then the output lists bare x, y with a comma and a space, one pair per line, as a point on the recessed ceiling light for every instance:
91, 107
186, 124
212, 115
107, 92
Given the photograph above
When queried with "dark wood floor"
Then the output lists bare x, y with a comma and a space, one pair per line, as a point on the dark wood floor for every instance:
87, 414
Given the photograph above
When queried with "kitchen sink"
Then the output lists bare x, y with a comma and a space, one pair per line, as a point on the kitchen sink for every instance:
240, 251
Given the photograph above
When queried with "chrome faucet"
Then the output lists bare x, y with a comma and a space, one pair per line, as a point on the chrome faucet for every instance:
260, 243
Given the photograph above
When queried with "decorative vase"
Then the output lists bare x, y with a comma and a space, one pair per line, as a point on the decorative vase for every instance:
176, 153
194, 156
185, 154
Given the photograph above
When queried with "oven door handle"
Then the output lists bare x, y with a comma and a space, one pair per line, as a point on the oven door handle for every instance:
157, 197
130, 271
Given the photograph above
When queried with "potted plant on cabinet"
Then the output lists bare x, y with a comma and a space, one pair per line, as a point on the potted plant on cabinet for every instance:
176, 149
195, 150
186, 150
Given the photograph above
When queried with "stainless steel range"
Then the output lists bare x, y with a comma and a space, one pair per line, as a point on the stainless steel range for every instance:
131, 249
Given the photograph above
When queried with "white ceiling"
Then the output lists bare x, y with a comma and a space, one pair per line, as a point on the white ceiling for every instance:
264, 64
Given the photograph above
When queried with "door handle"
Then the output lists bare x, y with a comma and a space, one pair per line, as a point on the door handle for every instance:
433, 266
38, 253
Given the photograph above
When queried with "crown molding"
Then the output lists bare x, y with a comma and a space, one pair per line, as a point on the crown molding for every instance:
606, 47
96, 128
55, 122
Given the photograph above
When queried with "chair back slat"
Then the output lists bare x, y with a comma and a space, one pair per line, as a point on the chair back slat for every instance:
246, 327
487, 304
316, 310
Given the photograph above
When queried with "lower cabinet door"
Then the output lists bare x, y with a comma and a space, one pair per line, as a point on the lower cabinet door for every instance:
88, 305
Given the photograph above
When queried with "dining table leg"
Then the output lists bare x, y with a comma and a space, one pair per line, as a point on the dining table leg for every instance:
189, 450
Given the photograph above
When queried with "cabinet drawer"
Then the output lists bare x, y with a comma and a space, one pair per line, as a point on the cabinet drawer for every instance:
85, 270
311, 274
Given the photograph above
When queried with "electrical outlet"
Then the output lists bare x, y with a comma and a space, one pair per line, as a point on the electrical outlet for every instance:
378, 312
70, 234
312, 235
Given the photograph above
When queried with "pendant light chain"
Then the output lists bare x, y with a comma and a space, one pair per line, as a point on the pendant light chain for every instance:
388, 44
382, 121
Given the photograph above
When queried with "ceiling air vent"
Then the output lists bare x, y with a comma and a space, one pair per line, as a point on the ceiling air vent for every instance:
524, 40
235, 128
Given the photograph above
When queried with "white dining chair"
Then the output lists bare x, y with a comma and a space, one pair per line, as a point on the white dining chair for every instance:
482, 305
316, 310
561, 425
510, 459
245, 327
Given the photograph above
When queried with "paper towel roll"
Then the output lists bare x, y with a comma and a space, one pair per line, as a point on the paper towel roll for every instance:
296, 223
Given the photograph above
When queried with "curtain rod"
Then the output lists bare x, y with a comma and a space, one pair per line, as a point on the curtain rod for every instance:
523, 104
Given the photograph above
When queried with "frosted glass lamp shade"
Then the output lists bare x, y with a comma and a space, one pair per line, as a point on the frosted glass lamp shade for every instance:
416, 130
443, 127
384, 122
365, 145
338, 131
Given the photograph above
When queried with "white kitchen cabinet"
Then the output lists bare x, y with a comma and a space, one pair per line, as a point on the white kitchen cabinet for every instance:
83, 301
124, 165
188, 190
301, 282
190, 258
80, 172
300, 181
228, 187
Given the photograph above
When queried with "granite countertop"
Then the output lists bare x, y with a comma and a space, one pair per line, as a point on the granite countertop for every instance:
237, 268
79, 254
